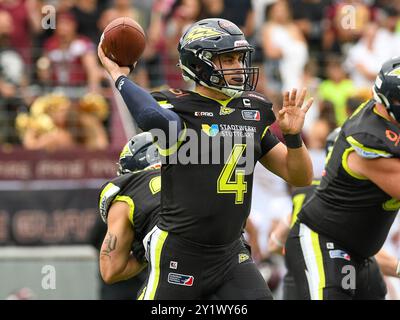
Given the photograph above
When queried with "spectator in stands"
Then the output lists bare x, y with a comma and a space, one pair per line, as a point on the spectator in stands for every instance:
26, 17
126, 8
49, 127
364, 59
87, 13
285, 48
336, 88
346, 19
11, 78
183, 13
309, 16
72, 56
92, 112
388, 35
241, 13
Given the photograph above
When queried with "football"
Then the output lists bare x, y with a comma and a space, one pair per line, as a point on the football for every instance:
123, 41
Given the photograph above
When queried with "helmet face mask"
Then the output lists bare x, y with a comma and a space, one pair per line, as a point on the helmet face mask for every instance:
387, 87
202, 46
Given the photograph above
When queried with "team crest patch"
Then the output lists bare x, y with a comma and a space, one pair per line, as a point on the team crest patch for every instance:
243, 257
251, 115
224, 111
180, 279
334, 254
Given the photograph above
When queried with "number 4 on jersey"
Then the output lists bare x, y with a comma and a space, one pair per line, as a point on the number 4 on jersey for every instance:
238, 186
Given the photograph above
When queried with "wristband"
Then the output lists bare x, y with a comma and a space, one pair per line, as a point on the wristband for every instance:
293, 141
398, 269
117, 82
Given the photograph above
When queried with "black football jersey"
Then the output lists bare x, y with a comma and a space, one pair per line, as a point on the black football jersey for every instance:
141, 191
347, 207
207, 176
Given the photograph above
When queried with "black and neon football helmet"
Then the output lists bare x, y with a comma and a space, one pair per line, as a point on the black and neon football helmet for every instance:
387, 87
138, 154
207, 39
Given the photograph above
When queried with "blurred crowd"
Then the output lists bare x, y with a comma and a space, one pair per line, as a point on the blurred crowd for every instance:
332, 47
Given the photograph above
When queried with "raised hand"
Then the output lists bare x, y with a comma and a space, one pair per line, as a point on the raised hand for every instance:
111, 67
291, 117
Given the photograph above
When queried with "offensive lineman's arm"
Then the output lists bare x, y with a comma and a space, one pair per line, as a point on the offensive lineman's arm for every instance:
293, 164
384, 172
116, 261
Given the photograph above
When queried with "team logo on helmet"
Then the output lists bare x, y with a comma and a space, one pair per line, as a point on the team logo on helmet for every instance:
200, 33
126, 151
395, 72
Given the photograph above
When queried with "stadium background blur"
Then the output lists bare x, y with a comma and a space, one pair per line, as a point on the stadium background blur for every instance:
62, 125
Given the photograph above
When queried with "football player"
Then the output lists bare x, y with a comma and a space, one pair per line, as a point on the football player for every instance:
130, 204
196, 249
348, 218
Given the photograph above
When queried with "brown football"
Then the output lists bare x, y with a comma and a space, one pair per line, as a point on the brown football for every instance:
123, 41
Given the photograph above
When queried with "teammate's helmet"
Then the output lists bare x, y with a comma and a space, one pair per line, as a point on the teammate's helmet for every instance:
330, 139
210, 38
387, 87
138, 154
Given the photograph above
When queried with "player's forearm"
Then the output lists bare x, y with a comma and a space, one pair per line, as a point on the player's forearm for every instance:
113, 272
387, 263
145, 109
299, 167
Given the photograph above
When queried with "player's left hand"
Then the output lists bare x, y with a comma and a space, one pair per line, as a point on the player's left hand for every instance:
291, 117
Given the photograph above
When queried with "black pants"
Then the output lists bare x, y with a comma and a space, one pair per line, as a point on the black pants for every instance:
181, 270
322, 270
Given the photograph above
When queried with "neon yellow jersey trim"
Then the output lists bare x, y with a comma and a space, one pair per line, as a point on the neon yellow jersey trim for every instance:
159, 246
221, 102
359, 145
171, 150
104, 191
360, 107
346, 167
320, 264
265, 132
298, 201
130, 203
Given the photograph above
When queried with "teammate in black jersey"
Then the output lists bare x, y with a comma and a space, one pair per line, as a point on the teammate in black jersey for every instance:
214, 136
130, 204
348, 219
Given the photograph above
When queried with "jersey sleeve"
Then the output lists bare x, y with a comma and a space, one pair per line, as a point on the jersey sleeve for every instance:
107, 196
371, 147
268, 141
167, 147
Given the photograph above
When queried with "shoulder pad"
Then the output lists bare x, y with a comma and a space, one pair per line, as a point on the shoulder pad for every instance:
107, 196
256, 96
110, 191
368, 146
